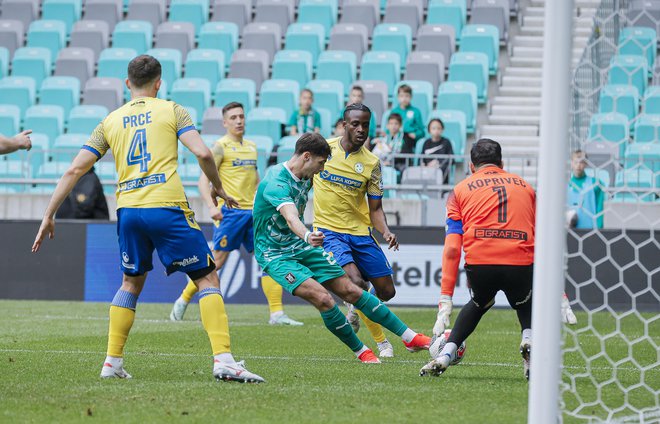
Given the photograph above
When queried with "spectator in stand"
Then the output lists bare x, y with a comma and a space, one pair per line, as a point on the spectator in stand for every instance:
393, 143
413, 125
585, 195
356, 95
306, 118
436, 144
338, 131
86, 200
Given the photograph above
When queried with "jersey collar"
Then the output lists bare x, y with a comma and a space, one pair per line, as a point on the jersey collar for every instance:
346, 153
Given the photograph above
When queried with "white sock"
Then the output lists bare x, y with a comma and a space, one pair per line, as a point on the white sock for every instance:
361, 351
114, 361
276, 314
449, 349
408, 335
182, 300
527, 334
225, 358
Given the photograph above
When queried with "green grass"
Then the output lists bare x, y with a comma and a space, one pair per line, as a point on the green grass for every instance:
51, 354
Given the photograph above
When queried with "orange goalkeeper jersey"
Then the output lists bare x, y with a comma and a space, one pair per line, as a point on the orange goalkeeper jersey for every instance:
495, 212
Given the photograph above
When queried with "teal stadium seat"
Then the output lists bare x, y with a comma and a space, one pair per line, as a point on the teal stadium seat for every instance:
455, 129
40, 141
113, 62
293, 64
471, 67
287, 146
327, 124
461, 96
171, 62
106, 171
84, 119
192, 93
67, 146
136, 35
240, 90
305, 36
395, 38
18, 91
206, 63
647, 128
60, 91
67, 11
13, 168
640, 180
10, 119
482, 39
612, 127
267, 122
390, 178
194, 11
381, 66
639, 41
4, 62
619, 98
45, 119
322, 12
280, 93
221, 36
629, 70
264, 148
652, 100
448, 12
646, 155
48, 34
422, 97
603, 175
33, 62
338, 65
328, 94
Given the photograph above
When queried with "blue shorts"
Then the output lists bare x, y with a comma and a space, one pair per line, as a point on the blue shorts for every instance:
234, 229
364, 251
173, 232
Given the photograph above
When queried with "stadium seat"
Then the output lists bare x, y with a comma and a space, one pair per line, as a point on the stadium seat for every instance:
471, 67
67, 11
422, 95
482, 39
328, 94
195, 12
339, 65
307, 37
66, 146
33, 62
264, 36
47, 34
221, 36
113, 63
619, 98
4, 62
281, 94
239, 90
106, 171
136, 35
176, 35
194, 93
83, 119
651, 100
279, 12
212, 121
18, 91
407, 12
390, 177
437, 38
381, 66
287, 146
612, 127
323, 12
644, 155
77, 62
106, 92
395, 38
206, 63
602, 175
455, 129
426, 66
250, 64
171, 61
267, 122
376, 95
361, 12
629, 70
13, 168
264, 149
492, 12
327, 123
60, 91
639, 41
10, 119
644, 13
641, 183
448, 12
94, 35
349, 37
38, 154
45, 119
11, 35
238, 12
461, 96
293, 64
20, 10
603, 155
110, 11
646, 128
152, 11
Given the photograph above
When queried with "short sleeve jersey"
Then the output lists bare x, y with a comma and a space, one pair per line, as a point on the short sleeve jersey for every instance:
342, 188
495, 211
143, 137
237, 165
272, 236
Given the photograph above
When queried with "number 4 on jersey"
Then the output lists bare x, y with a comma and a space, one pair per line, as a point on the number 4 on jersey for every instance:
137, 152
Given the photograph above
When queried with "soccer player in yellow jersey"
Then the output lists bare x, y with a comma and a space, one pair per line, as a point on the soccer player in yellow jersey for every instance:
152, 212
236, 161
347, 206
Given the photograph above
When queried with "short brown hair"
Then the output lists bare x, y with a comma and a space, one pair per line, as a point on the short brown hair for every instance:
143, 70
307, 90
405, 88
231, 105
396, 117
313, 143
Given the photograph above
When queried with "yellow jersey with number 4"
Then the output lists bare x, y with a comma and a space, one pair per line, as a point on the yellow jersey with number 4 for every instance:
341, 190
143, 137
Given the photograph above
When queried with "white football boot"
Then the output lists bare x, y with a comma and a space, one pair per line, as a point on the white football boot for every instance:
525, 351
284, 320
352, 317
385, 349
114, 371
437, 366
178, 310
234, 372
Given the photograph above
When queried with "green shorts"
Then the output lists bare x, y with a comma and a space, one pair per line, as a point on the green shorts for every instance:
292, 270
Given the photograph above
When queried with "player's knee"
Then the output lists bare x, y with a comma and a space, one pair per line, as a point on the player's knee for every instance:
324, 301
386, 293
352, 293
360, 282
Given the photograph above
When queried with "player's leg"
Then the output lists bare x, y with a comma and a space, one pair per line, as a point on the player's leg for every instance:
518, 289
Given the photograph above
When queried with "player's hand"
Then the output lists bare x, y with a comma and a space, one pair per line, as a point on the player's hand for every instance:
23, 141
316, 238
215, 213
391, 239
444, 313
47, 227
567, 315
230, 202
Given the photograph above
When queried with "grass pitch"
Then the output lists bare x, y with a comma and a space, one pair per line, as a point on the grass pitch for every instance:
51, 355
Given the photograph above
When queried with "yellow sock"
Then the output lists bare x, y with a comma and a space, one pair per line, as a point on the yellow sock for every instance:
273, 292
214, 319
375, 329
121, 321
189, 291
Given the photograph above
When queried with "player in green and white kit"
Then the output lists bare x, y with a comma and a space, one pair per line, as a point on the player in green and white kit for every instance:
293, 255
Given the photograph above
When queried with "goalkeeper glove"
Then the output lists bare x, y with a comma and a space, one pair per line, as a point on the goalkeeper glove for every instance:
444, 312
567, 315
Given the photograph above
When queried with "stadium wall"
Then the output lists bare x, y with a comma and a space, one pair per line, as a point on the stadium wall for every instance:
81, 263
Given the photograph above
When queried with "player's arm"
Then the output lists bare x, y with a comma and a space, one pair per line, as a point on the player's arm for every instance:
204, 184
376, 211
20, 141
290, 213
81, 164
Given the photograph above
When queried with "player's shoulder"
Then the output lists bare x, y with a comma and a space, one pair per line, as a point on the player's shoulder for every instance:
333, 142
